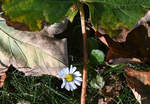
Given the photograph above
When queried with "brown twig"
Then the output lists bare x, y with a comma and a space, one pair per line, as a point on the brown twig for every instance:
82, 17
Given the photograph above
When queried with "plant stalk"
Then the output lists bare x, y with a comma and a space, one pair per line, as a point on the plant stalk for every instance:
83, 26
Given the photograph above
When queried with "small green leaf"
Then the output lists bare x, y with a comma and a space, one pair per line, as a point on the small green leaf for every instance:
34, 12
72, 12
98, 82
97, 56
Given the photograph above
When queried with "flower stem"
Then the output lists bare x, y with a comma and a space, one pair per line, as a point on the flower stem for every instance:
83, 26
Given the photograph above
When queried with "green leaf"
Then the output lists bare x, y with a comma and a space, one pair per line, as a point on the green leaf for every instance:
34, 12
97, 56
98, 82
33, 53
72, 12
113, 14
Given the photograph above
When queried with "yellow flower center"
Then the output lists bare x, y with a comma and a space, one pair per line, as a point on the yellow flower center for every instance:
69, 77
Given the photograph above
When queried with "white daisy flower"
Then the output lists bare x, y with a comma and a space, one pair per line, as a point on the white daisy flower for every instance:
71, 78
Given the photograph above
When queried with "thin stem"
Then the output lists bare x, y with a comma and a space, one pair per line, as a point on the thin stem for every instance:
82, 17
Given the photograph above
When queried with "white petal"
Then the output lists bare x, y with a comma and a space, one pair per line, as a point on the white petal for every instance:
77, 73
67, 86
72, 69
66, 70
61, 74
63, 84
77, 82
72, 85
71, 88
70, 66
78, 78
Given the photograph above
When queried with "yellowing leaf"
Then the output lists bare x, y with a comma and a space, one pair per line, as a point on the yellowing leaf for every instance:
33, 12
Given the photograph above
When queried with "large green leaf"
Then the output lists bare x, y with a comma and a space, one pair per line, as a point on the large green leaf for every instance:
113, 14
34, 12
120, 2
33, 53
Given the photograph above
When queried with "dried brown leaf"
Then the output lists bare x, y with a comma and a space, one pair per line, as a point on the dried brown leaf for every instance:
34, 53
139, 82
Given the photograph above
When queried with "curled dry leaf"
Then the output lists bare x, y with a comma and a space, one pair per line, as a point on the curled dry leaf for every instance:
130, 44
33, 53
56, 28
139, 82
128, 49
